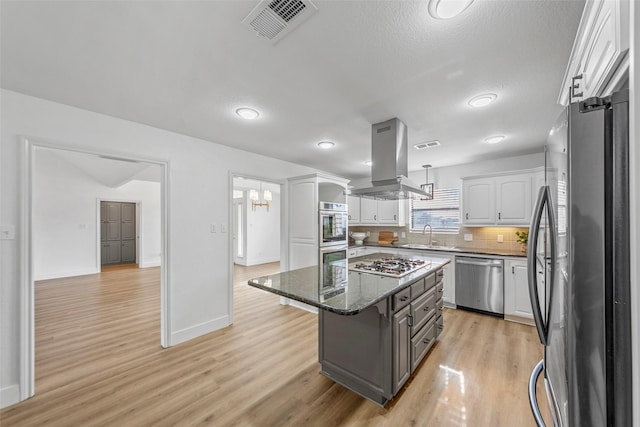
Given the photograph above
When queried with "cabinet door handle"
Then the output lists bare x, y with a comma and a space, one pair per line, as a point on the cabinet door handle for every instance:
395, 217
349, 216
375, 217
513, 269
409, 320
467, 216
499, 215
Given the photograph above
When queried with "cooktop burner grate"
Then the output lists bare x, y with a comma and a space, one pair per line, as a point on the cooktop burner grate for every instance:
389, 266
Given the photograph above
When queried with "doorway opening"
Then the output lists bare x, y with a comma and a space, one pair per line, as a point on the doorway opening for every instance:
62, 251
256, 228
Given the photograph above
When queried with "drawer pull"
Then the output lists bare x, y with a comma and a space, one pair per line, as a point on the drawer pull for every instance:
426, 308
403, 299
427, 341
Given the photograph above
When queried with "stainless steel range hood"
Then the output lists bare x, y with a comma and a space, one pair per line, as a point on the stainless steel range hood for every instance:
389, 148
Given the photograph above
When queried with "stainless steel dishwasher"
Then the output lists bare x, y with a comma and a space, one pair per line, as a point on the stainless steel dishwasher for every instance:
480, 284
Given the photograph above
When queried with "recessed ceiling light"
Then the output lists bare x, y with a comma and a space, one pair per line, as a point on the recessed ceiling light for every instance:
447, 9
247, 113
483, 100
326, 144
494, 139
368, 162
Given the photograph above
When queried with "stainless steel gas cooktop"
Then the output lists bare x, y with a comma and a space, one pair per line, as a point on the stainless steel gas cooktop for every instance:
389, 266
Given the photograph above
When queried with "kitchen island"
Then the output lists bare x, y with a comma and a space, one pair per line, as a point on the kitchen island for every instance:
373, 330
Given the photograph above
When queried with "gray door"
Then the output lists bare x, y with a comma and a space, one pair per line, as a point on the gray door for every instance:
117, 233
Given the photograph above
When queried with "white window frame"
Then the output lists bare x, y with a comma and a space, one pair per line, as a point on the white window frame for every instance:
439, 194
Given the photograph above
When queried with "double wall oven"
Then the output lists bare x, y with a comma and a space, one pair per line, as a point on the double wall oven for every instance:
333, 229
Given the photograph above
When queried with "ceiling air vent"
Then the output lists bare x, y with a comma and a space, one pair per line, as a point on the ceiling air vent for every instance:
274, 19
428, 144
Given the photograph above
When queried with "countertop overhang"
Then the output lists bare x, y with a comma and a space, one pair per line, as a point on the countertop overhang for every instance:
359, 292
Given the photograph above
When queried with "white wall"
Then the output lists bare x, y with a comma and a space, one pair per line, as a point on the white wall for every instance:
449, 176
263, 233
65, 217
198, 188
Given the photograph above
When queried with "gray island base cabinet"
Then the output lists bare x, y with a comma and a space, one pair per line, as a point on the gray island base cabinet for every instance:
375, 352
373, 330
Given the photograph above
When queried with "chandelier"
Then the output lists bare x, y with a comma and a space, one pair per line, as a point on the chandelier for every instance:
267, 197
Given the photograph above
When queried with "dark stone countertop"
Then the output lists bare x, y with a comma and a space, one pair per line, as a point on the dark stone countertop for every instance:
454, 250
361, 290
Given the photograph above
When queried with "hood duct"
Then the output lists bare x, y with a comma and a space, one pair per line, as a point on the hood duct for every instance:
389, 152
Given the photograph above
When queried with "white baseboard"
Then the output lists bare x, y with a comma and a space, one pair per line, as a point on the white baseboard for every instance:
198, 330
303, 306
259, 261
9, 395
62, 274
149, 263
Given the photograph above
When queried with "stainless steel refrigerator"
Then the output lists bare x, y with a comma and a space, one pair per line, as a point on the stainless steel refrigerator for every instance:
578, 267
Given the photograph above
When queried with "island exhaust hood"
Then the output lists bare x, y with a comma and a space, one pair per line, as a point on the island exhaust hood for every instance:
389, 170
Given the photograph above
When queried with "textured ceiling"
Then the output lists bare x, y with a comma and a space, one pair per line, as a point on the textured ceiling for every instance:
186, 66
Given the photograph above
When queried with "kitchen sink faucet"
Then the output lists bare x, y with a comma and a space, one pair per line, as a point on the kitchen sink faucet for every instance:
424, 230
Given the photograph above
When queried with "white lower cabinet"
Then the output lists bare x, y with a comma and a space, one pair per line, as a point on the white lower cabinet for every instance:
517, 304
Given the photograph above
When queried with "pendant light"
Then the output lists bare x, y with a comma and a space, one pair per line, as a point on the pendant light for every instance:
427, 187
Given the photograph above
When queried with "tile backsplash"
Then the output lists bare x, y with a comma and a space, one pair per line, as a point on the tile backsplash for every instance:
483, 237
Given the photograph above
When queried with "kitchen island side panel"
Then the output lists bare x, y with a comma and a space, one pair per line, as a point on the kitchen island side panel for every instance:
356, 351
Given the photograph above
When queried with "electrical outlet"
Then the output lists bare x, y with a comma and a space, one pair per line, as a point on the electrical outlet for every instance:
404, 235
468, 237
395, 234
500, 238
213, 228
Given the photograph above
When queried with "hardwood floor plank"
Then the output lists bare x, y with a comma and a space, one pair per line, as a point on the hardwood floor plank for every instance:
99, 362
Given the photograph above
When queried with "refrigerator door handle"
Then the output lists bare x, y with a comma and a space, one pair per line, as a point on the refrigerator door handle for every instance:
532, 248
533, 394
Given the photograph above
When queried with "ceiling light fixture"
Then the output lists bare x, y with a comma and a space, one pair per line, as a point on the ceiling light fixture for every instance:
254, 196
326, 144
427, 186
247, 113
483, 100
447, 9
494, 139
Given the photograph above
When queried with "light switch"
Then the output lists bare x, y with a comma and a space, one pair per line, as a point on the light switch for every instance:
213, 228
223, 228
7, 232
500, 238
468, 237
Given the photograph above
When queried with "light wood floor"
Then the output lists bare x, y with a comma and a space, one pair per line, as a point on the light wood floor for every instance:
99, 362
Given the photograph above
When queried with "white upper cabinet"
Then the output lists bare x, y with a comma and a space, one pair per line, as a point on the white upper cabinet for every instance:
391, 212
368, 211
599, 58
354, 209
377, 212
504, 199
513, 199
478, 201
